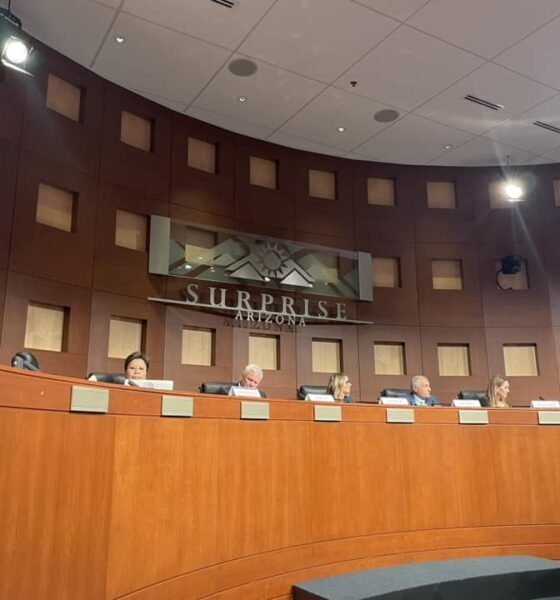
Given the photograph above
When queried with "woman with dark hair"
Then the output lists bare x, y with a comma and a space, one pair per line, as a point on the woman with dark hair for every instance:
497, 392
136, 365
339, 387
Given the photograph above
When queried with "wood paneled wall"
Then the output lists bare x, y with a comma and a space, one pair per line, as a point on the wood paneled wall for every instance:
85, 271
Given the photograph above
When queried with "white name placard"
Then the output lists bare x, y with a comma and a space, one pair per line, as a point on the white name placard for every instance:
545, 403
320, 397
390, 401
465, 403
244, 392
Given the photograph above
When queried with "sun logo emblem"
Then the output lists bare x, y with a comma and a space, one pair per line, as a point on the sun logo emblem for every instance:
271, 259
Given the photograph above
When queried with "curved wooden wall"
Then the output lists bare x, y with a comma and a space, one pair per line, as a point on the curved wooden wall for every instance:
133, 505
88, 274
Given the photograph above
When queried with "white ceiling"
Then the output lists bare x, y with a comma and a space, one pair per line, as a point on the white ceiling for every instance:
420, 57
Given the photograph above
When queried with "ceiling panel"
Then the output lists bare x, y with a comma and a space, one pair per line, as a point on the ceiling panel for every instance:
482, 152
537, 56
225, 122
273, 95
152, 58
398, 9
491, 82
412, 140
408, 68
319, 120
73, 27
317, 38
481, 26
205, 20
293, 141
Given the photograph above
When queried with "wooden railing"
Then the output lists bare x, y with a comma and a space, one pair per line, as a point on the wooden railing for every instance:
130, 504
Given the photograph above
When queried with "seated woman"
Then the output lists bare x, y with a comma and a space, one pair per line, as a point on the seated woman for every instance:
497, 392
339, 387
136, 365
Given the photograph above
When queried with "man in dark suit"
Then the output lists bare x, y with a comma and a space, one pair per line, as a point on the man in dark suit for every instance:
421, 392
251, 376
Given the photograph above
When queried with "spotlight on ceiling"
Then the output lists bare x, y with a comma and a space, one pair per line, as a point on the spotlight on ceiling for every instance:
513, 191
15, 49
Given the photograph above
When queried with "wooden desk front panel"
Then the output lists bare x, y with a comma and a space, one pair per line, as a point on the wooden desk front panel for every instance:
143, 507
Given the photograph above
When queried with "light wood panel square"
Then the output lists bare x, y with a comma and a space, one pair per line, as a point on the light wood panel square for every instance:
64, 98
441, 194
517, 281
197, 346
263, 172
45, 327
447, 274
381, 191
521, 360
125, 336
322, 184
136, 131
55, 207
386, 272
389, 358
201, 155
454, 360
326, 356
131, 230
264, 350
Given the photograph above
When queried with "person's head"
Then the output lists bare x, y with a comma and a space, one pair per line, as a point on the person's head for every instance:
420, 385
136, 365
498, 390
251, 376
339, 386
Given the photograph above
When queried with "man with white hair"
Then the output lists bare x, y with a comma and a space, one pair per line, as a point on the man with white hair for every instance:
421, 392
251, 376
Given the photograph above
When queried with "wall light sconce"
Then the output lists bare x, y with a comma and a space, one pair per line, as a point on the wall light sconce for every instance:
16, 51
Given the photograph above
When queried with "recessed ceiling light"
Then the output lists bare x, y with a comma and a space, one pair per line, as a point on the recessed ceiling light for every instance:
386, 115
241, 98
448, 146
341, 129
120, 39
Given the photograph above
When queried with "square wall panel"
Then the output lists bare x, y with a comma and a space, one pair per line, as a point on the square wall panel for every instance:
45, 327
454, 360
326, 356
197, 347
55, 207
447, 274
521, 360
131, 230
201, 155
389, 358
136, 131
322, 184
264, 350
380, 191
386, 272
441, 194
125, 337
64, 98
263, 172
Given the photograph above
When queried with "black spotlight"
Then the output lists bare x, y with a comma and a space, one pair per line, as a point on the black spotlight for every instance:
25, 360
15, 51
511, 265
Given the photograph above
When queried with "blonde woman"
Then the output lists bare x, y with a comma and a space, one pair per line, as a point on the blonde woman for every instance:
497, 392
339, 387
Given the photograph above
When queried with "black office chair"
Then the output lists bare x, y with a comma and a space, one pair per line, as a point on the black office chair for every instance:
25, 360
118, 378
479, 395
310, 389
394, 393
216, 387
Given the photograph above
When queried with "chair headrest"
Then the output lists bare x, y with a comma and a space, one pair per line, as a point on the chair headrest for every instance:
395, 392
215, 387
25, 360
472, 395
108, 377
310, 389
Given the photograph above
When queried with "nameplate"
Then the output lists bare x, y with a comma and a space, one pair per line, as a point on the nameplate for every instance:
89, 399
244, 392
548, 417
464, 403
473, 417
400, 415
390, 401
255, 410
545, 403
176, 406
327, 413
320, 397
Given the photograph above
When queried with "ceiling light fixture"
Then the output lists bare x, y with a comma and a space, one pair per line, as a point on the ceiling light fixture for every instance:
341, 129
512, 188
241, 98
15, 49
448, 146
120, 39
